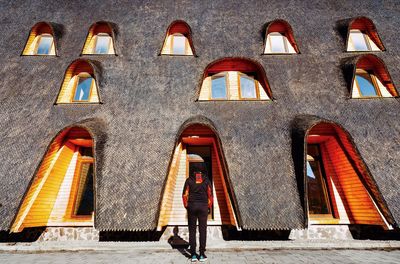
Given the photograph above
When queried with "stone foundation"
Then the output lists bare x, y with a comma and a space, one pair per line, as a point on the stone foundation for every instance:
69, 233
336, 232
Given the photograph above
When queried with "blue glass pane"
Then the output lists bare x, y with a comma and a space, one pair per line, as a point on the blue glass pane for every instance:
44, 45
82, 92
366, 87
310, 172
102, 44
179, 45
359, 41
247, 87
218, 88
277, 44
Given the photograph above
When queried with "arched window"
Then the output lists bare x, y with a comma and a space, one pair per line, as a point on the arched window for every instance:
100, 39
198, 146
40, 40
339, 188
234, 79
79, 84
371, 79
362, 36
279, 38
62, 191
178, 40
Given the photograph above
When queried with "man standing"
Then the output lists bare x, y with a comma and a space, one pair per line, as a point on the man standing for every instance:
197, 199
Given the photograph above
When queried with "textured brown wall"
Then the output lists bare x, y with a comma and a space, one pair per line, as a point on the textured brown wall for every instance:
146, 98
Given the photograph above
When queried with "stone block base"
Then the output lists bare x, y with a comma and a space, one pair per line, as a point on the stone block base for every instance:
69, 233
337, 232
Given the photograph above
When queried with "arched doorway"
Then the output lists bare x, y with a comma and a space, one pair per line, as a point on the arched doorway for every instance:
197, 143
339, 188
62, 191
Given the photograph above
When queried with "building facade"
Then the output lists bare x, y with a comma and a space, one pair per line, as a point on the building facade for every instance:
292, 105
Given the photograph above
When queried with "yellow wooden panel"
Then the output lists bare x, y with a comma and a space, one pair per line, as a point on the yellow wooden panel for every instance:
166, 203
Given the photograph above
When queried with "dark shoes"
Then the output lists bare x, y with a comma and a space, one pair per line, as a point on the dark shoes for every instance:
203, 257
193, 258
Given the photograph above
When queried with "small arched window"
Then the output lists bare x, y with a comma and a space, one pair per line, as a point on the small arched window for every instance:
371, 79
79, 84
279, 38
178, 40
100, 39
234, 79
40, 40
362, 36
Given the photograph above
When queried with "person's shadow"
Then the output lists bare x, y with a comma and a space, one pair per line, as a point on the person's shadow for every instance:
179, 243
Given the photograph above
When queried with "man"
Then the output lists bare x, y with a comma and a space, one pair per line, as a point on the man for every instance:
197, 199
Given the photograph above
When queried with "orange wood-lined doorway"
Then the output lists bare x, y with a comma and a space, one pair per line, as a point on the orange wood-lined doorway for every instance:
335, 180
62, 191
196, 141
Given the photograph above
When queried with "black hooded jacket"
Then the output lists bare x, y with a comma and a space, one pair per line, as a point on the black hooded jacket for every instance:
197, 189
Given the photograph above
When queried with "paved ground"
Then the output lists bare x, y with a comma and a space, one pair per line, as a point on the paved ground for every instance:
143, 256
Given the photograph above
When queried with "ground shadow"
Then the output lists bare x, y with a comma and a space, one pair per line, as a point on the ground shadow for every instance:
27, 235
373, 232
151, 235
231, 233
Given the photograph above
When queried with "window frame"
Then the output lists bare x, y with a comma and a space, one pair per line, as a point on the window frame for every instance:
284, 40
74, 190
102, 34
325, 188
256, 87
172, 44
227, 86
38, 38
76, 83
373, 82
365, 37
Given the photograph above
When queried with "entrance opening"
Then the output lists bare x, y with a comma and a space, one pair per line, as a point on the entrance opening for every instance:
62, 192
339, 188
197, 143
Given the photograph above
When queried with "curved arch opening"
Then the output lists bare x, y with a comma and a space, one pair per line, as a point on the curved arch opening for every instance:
363, 36
279, 38
371, 79
197, 143
100, 40
79, 85
41, 41
338, 186
178, 40
234, 79
62, 192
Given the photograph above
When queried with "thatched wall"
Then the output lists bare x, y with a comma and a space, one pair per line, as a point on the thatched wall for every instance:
146, 99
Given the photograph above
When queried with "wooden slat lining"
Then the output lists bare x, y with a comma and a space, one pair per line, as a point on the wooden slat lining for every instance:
366, 25
38, 207
373, 64
241, 65
366, 177
176, 214
166, 204
41, 209
284, 28
37, 29
352, 192
38, 181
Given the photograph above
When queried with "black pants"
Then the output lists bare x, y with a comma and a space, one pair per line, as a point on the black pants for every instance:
197, 211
